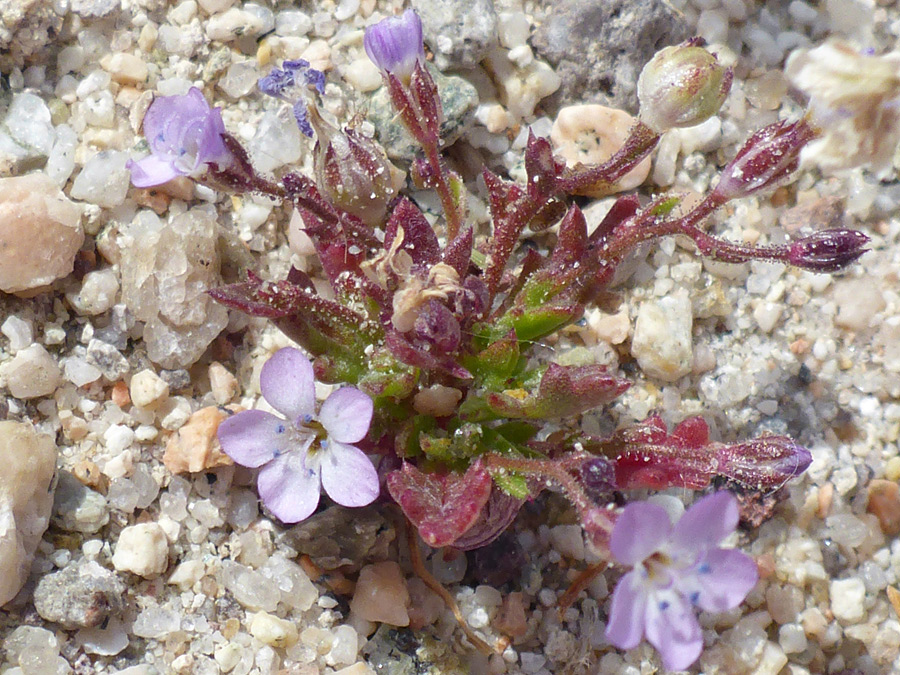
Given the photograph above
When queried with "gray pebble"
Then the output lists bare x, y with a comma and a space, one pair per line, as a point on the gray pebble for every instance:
82, 595
77, 508
598, 47
459, 32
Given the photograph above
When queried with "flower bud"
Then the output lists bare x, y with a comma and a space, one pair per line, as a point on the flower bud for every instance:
767, 158
395, 45
682, 86
352, 171
828, 250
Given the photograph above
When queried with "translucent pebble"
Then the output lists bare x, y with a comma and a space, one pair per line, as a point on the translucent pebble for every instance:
292, 22
18, 331
297, 591
243, 509
156, 622
28, 638
250, 588
122, 495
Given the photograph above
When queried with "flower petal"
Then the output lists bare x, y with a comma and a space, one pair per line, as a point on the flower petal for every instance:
640, 530
625, 627
673, 629
254, 437
287, 383
722, 580
346, 415
706, 523
151, 170
288, 487
348, 475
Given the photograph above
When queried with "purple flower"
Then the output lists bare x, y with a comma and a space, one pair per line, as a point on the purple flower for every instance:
184, 135
675, 567
395, 44
294, 78
305, 451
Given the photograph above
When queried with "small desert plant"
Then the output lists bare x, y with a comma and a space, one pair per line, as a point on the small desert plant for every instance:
434, 328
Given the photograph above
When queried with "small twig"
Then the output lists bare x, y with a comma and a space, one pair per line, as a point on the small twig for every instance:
582, 582
436, 586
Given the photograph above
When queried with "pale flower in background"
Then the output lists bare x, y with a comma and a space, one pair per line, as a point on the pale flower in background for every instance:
855, 99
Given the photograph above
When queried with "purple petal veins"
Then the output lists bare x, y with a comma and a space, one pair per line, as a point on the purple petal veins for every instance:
184, 134
675, 569
303, 453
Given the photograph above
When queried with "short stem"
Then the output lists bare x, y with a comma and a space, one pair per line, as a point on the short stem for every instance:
640, 142
557, 470
445, 193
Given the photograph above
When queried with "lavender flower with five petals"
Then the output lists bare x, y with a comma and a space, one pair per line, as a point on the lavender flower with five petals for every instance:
184, 134
395, 44
299, 454
675, 567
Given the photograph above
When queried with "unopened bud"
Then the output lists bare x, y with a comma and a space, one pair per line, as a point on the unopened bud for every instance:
682, 86
763, 463
828, 250
767, 158
395, 44
352, 171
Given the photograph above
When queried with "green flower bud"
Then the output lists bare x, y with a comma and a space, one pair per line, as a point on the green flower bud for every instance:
682, 86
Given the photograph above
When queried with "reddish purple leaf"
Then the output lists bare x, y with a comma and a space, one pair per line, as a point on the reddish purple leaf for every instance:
442, 507
419, 239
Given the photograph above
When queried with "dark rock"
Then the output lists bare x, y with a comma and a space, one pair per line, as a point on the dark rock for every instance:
598, 47
81, 595
459, 32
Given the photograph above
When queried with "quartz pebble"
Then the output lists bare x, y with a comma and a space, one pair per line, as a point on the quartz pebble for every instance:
26, 500
125, 68
104, 179
26, 134
31, 373
273, 631
18, 331
147, 389
223, 384
847, 596
662, 342
591, 134
166, 273
40, 232
195, 447
83, 594
381, 595
142, 549
97, 294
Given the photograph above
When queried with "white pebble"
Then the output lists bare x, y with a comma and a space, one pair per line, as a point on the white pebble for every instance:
847, 596
18, 331
142, 549
31, 373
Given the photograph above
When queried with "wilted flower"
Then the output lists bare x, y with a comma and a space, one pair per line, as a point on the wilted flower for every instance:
682, 86
855, 98
395, 44
303, 452
352, 171
675, 567
184, 135
291, 83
